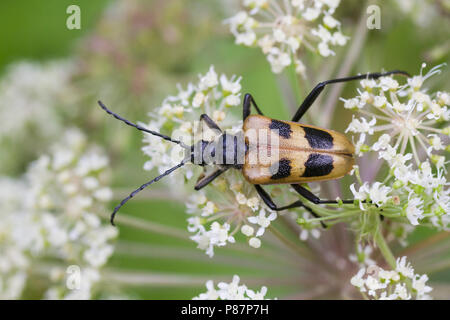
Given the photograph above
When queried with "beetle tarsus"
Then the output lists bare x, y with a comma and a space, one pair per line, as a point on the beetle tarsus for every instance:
297, 204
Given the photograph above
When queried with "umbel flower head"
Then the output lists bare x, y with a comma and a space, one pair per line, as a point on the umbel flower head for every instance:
399, 284
31, 96
283, 28
416, 126
14, 223
61, 194
409, 115
28, 91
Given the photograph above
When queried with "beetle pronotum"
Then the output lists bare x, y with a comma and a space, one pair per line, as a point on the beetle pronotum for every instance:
304, 153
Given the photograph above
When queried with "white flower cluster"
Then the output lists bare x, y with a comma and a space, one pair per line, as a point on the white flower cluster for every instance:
13, 258
28, 93
377, 193
179, 115
231, 205
52, 214
410, 116
231, 199
399, 284
406, 112
282, 28
231, 291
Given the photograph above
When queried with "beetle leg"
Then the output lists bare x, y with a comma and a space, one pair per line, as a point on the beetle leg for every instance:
305, 193
297, 204
204, 181
312, 96
248, 101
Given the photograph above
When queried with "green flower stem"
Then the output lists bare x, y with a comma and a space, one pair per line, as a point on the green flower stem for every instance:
384, 248
336, 216
388, 177
327, 212
149, 226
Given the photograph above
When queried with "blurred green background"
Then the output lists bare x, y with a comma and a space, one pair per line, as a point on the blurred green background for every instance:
35, 30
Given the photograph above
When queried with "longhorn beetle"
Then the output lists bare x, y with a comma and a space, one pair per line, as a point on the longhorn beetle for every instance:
306, 153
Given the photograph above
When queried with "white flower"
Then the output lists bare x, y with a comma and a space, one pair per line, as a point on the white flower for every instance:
198, 100
388, 83
419, 284
361, 194
402, 292
247, 230
373, 284
362, 126
353, 103
253, 203
258, 295
241, 199
209, 80
378, 193
262, 221
216, 236
414, 210
219, 234
388, 276
232, 290
254, 242
278, 60
404, 268
360, 146
358, 281
435, 143
382, 143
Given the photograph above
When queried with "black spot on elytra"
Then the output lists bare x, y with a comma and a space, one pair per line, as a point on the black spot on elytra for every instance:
281, 169
284, 129
318, 139
318, 165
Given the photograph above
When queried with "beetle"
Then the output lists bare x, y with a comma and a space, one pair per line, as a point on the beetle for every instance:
305, 153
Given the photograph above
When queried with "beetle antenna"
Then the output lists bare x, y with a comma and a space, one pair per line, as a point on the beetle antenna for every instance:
145, 185
399, 72
139, 127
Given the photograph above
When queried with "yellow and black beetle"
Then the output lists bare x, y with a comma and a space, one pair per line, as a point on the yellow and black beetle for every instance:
305, 153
